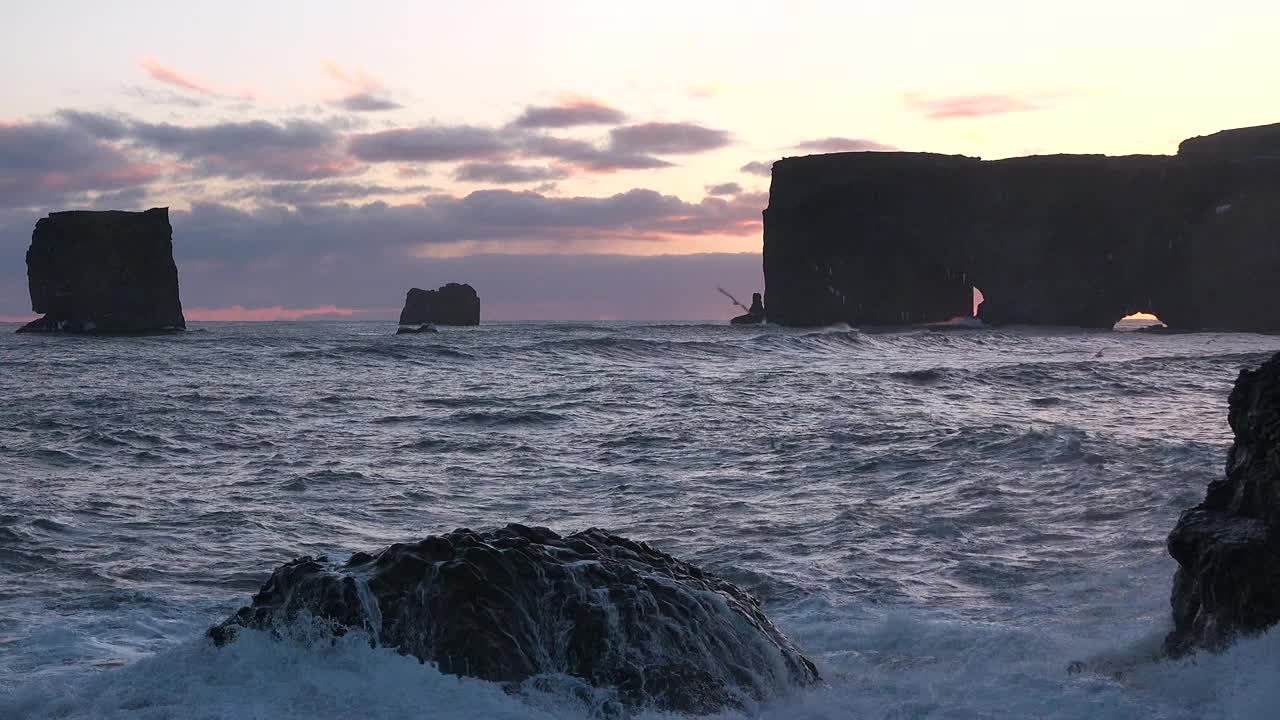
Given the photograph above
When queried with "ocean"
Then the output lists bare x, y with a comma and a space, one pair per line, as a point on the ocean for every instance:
943, 520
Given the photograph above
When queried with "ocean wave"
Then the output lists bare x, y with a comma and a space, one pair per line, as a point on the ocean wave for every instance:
507, 418
419, 351
944, 520
893, 663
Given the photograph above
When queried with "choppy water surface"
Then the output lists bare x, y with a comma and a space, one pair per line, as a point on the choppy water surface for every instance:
942, 520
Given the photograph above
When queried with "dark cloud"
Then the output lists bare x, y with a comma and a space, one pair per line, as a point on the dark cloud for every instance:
659, 138
362, 256
291, 150
45, 164
587, 156
729, 188
540, 286
569, 115
763, 169
503, 217
438, 143
288, 150
316, 193
841, 144
506, 173
962, 106
98, 125
371, 101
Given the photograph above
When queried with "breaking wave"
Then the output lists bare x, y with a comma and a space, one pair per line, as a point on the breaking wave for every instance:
943, 520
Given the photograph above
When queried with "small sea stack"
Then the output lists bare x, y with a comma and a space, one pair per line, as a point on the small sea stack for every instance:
1228, 546
453, 304
519, 602
104, 272
754, 314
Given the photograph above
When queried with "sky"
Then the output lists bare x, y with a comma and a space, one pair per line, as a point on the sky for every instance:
571, 160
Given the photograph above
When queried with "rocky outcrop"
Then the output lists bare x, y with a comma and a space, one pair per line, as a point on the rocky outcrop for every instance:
410, 330
1228, 547
453, 304
754, 314
520, 602
104, 272
1082, 240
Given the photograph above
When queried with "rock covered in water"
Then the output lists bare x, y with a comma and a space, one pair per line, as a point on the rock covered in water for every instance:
453, 304
104, 272
1228, 546
519, 602
427, 328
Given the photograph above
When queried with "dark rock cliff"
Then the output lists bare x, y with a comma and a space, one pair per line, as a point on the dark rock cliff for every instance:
1083, 240
453, 304
520, 602
104, 272
1228, 547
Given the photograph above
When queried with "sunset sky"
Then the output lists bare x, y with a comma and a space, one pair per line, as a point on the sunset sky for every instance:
572, 160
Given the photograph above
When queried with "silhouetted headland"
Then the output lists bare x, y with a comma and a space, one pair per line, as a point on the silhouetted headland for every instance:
453, 304
894, 238
108, 272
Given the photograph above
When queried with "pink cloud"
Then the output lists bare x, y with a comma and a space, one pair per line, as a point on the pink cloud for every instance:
569, 111
965, 106
240, 313
171, 76
705, 90
362, 91
165, 74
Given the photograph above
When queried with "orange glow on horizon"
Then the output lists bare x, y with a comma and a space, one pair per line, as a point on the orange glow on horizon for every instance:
1141, 316
240, 313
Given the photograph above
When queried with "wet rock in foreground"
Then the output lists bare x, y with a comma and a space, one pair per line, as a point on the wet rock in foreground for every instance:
1228, 546
519, 602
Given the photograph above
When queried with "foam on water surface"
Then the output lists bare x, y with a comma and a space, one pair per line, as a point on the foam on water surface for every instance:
944, 521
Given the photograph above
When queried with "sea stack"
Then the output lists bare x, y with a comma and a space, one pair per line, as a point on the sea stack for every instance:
453, 304
1228, 546
895, 238
523, 602
754, 314
104, 273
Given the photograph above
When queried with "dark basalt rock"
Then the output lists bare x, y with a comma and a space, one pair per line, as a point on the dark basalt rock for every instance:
453, 304
754, 314
104, 272
519, 602
1081, 240
1228, 546
402, 330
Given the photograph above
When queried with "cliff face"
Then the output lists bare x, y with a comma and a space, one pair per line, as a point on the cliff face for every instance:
1228, 546
453, 304
895, 238
104, 272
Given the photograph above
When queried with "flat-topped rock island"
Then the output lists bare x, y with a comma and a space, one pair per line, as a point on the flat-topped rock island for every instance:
108, 272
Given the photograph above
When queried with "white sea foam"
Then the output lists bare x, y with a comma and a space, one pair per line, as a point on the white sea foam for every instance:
943, 521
